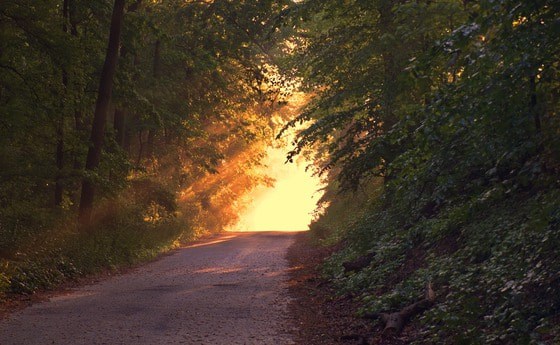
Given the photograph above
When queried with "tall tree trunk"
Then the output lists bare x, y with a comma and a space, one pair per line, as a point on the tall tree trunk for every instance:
119, 118
59, 153
127, 140
156, 73
101, 110
72, 17
150, 143
59, 187
140, 148
533, 104
390, 73
78, 115
121, 113
157, 59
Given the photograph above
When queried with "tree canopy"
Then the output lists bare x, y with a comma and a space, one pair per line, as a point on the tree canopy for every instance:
184, 73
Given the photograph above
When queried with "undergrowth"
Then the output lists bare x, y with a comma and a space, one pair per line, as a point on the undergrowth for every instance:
46, 249
337, 211
492, 259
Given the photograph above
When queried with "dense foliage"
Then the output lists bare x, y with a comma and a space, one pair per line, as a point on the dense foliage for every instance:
453, 106
136, 105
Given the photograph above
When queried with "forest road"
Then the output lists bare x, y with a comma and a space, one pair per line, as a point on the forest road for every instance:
227, 290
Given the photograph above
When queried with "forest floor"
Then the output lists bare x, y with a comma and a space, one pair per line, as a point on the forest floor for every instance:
324, 318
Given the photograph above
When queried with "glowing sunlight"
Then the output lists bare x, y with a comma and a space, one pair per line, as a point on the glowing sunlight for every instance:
287, 206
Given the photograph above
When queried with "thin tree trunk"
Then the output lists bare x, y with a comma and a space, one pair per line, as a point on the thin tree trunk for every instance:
390, 72
119, 118
150, 143
167, 135
533, 104
156, 74
77, 164
140, 148
72, 18
119, 123
79, 125
59, 153
101, 110
59, 187
121, 113
127, 142
157, 59
78, 116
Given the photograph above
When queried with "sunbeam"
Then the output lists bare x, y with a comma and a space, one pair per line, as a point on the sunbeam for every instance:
289, 204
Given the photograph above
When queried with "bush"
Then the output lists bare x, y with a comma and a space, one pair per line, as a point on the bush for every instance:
46, 249
492, 260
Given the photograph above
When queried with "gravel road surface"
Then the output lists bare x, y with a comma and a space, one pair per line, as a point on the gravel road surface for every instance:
227, 290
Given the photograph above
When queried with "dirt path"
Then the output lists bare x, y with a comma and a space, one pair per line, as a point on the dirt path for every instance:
230, 290
322, 318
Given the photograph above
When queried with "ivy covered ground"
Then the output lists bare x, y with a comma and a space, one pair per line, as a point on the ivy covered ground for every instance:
436, 125
492, 261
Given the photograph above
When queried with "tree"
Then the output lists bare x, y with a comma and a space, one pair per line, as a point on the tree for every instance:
364, 91
101, 110
188, 84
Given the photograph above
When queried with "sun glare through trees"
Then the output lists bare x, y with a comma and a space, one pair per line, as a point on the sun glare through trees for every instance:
289, 204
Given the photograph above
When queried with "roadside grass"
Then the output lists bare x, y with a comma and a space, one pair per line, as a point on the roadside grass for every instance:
122, 235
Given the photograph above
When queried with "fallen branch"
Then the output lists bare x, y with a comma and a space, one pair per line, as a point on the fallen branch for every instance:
395, 322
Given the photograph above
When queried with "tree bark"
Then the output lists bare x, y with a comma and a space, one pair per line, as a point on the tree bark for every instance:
390, 72
157, 59
59, 187
101, 110
533, 104
156, 73
140, 148
391, 69
121, 113
150, 143
119, 122
72, 18
59, 153
127, 141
